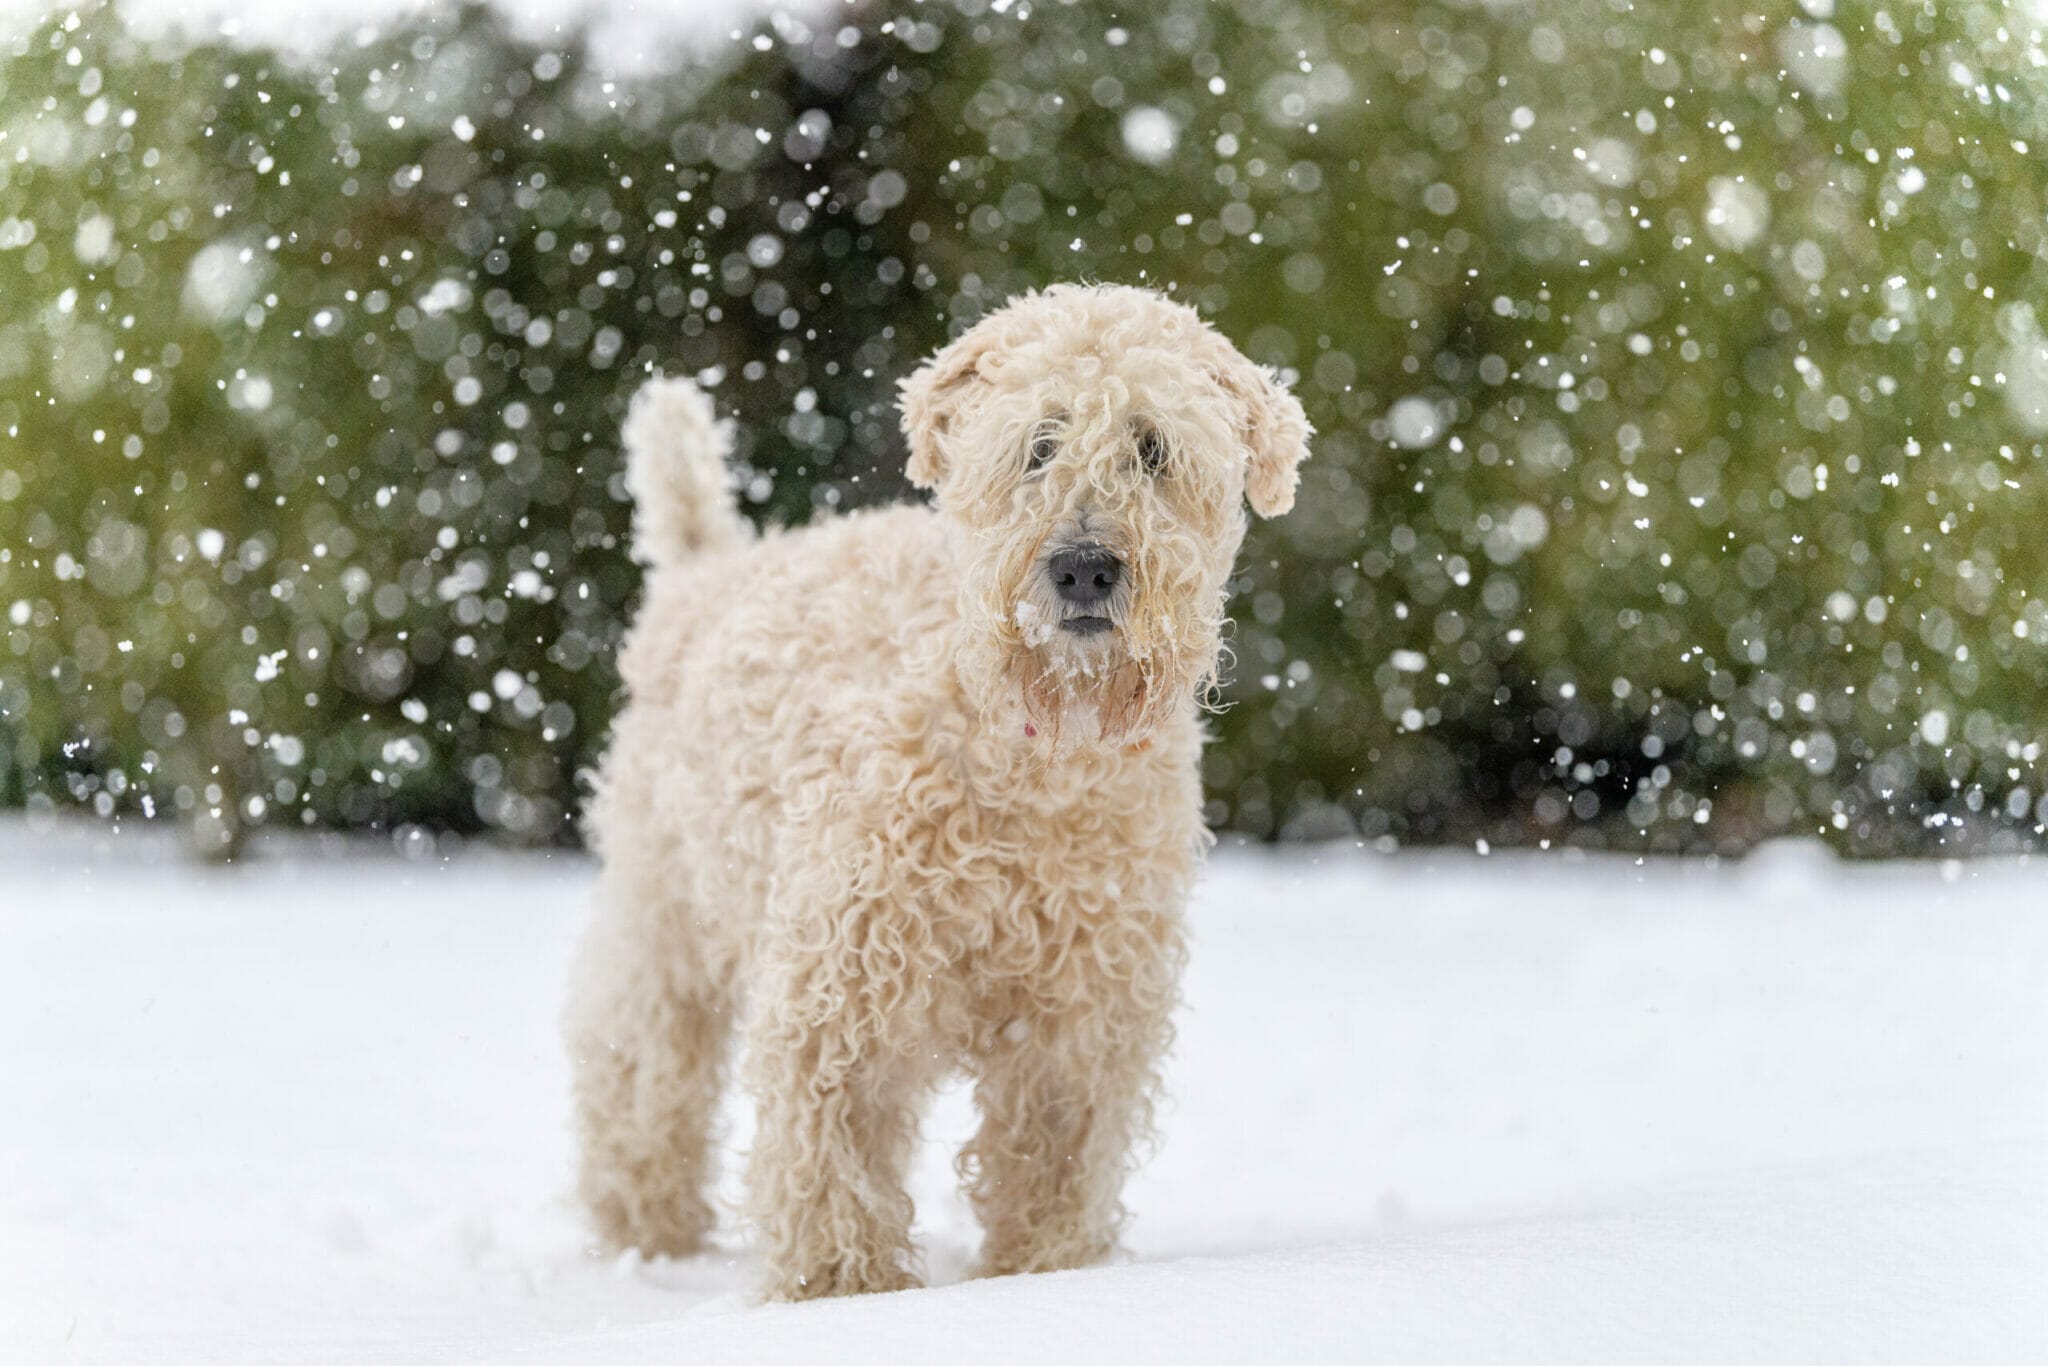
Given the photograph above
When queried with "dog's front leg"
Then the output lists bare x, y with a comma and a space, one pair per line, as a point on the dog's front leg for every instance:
1066, 1099
837, 1082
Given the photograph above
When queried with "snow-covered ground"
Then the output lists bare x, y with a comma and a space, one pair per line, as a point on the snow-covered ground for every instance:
1428, 1107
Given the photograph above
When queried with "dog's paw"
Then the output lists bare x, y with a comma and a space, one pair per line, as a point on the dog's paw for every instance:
1049, 1252
673, 1229
850, 1277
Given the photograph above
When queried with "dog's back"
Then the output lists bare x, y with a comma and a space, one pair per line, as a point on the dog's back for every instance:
859, 589
755, 664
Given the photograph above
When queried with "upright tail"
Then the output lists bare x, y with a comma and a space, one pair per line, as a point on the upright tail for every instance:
676, 451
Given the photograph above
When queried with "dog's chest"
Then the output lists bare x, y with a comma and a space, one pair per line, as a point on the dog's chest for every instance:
1040, 862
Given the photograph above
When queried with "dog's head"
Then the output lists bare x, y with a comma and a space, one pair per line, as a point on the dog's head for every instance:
1092, 449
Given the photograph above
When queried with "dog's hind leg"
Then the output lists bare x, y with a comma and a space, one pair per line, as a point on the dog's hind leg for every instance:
649, 1039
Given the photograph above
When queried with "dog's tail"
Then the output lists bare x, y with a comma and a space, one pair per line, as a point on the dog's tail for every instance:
676, 452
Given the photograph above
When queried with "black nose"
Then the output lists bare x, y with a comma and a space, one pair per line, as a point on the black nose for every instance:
1085, 576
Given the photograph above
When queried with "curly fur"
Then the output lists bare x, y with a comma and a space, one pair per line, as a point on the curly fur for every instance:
872, 806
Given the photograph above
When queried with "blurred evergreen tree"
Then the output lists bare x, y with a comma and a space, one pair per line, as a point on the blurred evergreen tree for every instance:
1680, 381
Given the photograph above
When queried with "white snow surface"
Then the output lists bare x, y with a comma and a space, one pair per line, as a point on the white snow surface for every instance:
1427, 1107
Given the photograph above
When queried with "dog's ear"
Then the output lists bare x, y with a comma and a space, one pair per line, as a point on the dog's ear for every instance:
1275, 429
930, 399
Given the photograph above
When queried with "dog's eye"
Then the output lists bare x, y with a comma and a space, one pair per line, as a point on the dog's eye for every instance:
1151, 452
1043, 449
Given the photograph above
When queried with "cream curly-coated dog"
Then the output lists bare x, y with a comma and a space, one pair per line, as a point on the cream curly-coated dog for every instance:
916, 790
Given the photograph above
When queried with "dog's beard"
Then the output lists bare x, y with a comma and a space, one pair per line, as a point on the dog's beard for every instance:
1070, 691
1070, 697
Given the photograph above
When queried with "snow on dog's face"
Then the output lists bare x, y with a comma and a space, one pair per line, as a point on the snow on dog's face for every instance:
1092, 449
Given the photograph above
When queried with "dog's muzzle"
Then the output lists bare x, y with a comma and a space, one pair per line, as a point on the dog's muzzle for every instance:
1085, 577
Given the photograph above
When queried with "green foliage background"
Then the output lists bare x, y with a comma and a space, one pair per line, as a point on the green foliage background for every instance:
1679, 370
